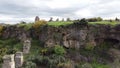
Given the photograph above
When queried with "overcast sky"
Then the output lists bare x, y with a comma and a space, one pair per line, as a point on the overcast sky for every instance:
14, 11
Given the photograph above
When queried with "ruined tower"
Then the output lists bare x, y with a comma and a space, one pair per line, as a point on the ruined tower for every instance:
37, 18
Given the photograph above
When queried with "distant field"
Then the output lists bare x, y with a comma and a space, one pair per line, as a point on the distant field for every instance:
105, 22
59, 23
56, 24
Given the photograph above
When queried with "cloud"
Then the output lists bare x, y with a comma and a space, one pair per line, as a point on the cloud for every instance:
17, 10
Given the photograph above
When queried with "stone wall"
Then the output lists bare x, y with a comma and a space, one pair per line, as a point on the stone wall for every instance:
13, 61
79, 35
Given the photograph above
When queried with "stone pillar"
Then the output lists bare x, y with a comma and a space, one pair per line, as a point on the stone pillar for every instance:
8, 61
37, 19
26, 46
18, 60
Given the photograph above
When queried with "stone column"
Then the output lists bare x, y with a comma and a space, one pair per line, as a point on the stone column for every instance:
18, 60
8, 61
26, 46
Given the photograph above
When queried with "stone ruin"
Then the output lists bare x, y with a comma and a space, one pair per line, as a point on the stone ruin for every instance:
18, 59
26, 46
8, 61
13, 61
37, 19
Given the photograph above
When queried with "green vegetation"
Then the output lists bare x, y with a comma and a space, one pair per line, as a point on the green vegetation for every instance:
81, 22
113, 23
57, 56
26, 26
59, 23
92, 65
59, 50
98, 65
37, 24
9, 46
1, 29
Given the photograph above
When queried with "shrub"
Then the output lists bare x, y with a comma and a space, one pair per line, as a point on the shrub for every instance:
12, 51
37, 24
94, 19
59, 50
29, 64
44, 51
81, 22
86, 65
65, 65
3, 51
98, 65
89, 46
1, 28
1, 59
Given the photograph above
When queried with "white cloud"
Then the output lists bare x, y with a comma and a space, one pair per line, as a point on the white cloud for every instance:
17, 10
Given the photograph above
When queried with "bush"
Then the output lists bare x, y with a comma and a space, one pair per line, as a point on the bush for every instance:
44, 51
37, 24
3, 51
12, 51
89, 46
65, 65
59, 50
94, 19
81, 22
1, 29
29, 64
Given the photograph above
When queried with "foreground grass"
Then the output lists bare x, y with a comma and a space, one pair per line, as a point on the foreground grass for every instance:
59, 23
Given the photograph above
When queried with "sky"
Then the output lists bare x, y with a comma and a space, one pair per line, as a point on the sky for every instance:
14, 11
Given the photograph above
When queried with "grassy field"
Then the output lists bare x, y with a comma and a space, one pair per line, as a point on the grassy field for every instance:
105, 22
56, 24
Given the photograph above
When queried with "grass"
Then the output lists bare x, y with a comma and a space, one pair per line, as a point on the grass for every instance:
98, 65
26, 26
59, 23
113, 23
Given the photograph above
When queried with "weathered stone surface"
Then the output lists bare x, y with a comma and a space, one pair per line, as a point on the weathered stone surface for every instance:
14, 32
18, 59
86, 65
8, 61
71, 36
115, 53
26, 46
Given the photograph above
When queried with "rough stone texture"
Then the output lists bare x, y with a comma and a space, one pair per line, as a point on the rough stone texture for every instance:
14, 32
115, 53
18, 59
8, 61
71, 36
86, 65
26, 46
77, 36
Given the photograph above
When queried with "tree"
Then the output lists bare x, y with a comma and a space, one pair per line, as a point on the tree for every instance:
51, 19
68, 19
116, 19
62, 19
81, 22
99, 19
22, 22
57, 19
